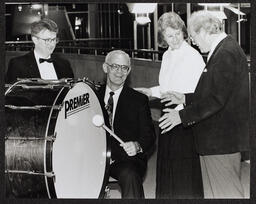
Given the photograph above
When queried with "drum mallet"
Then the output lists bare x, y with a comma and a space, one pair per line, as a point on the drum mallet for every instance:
98, 121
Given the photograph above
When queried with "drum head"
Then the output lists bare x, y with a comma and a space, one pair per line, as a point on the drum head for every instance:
79, 151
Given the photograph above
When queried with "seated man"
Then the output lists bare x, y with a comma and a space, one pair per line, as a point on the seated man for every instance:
128, 114
39, 63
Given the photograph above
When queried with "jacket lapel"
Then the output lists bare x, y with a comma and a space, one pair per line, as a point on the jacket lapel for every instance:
57, 68
121, 100
33, 68
102, 93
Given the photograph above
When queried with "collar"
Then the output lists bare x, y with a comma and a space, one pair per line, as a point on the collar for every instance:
183, 45
215, 43
37, 56
117, 92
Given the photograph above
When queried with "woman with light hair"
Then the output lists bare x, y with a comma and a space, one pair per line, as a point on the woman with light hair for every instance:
178, 166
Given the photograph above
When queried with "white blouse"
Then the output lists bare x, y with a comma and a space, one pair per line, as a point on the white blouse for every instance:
180, 70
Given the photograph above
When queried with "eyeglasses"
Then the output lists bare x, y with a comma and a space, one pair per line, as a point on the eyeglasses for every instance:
48, 40
115, 67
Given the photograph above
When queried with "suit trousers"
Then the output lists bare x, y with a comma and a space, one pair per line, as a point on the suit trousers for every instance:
222, 176
130, 178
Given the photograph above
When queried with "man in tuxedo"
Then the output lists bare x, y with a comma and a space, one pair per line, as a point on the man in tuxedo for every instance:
40, 63
218, 111
127, 113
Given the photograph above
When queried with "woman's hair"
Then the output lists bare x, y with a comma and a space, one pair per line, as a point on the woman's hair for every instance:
173, 21
44, 24
206, 20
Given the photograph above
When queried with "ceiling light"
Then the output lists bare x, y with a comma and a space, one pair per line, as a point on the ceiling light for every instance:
141, 7
142, 18
36, 6
213, 4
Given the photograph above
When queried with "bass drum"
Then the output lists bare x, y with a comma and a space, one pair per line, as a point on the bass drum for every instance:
52, 148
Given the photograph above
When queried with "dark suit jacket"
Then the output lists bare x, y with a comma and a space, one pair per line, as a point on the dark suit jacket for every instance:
26, 67
132, 122
219, 108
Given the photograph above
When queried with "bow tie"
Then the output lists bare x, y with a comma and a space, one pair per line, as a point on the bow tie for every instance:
41, 60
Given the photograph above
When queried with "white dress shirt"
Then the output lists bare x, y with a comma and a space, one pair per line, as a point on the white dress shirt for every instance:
46, 69
115, 99
180, 71
215, 44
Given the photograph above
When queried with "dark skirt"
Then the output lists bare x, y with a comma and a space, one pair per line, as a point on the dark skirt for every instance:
178, 165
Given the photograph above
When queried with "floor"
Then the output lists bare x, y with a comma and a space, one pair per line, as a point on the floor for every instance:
150, 184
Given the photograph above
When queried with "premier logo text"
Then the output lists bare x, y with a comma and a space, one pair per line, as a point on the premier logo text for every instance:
77, 104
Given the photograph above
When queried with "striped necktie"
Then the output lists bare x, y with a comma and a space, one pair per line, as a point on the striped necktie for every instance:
109, 107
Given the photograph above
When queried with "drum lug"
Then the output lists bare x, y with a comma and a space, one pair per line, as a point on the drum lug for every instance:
91, 83
61, 106
50, 175
51, 138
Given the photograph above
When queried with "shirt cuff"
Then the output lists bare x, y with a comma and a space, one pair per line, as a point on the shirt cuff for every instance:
155, 91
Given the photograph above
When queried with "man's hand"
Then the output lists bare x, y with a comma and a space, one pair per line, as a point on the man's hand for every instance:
169, 120
145, 91
131, 148
174, 98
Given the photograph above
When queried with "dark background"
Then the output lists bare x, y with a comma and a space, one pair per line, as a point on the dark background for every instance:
252, 199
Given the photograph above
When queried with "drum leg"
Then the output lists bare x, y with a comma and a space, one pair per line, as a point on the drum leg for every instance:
113, 189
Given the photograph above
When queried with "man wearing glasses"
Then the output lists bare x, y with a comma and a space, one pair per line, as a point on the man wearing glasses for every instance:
127, 113
40, 63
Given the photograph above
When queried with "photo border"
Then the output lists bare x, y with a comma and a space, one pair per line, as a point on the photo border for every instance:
125, 201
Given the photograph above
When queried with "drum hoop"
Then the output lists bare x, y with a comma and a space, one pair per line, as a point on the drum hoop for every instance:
107, 168
50, 127
108, 151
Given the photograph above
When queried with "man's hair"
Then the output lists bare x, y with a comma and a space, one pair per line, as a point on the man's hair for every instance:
117, 52
44, 24
172, 20
206, 20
